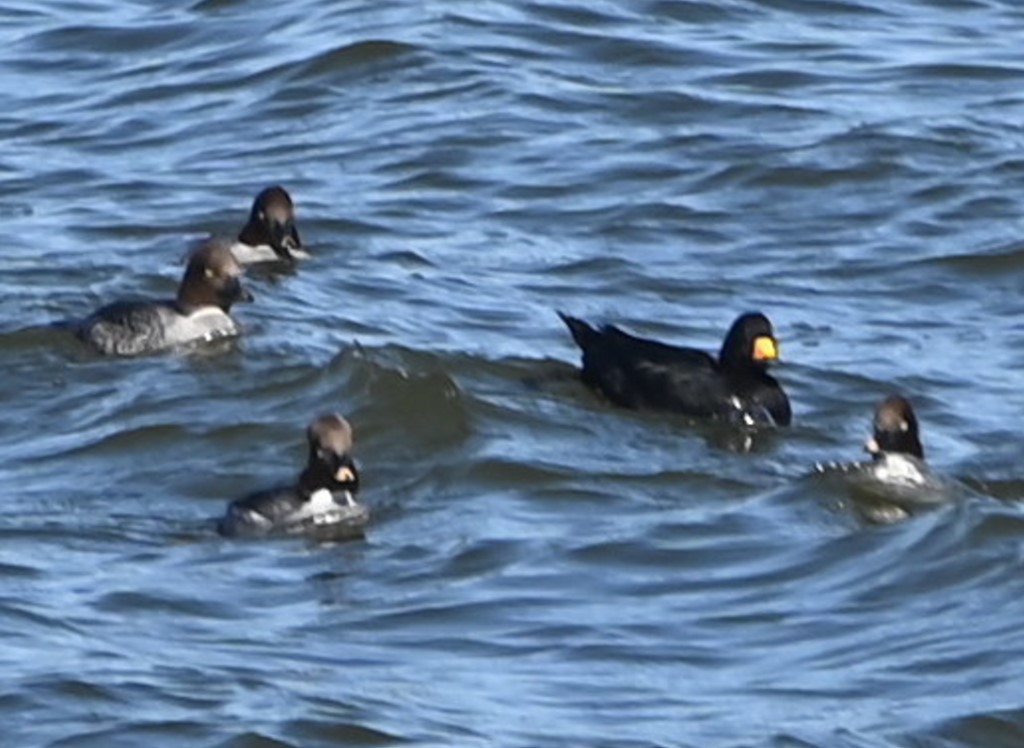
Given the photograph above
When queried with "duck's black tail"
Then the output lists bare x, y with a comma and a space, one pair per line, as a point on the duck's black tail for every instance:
582, 333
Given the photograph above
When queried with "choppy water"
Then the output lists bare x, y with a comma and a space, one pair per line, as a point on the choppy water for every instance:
542, 569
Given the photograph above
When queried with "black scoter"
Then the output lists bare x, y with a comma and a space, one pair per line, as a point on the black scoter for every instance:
645, 374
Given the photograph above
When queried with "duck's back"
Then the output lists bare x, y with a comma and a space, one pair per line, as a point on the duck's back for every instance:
257, 254
258, 512
639, 373
127, 328
248, 254
130, 328
283, 511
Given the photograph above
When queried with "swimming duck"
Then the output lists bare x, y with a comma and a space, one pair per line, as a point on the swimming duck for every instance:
897, 482
199, 313
321, 501
895, 445
646, 374
270, 234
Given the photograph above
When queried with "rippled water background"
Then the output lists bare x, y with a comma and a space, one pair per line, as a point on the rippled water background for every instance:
542, 569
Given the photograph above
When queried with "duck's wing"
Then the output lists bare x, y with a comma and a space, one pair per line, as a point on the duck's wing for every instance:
766, 394
641, 373
126, 328
258, 512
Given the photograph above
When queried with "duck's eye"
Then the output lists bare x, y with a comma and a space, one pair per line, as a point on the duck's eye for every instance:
209, 273
904, 426
262, 215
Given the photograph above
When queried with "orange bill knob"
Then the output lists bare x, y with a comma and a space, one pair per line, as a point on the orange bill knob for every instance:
765, 348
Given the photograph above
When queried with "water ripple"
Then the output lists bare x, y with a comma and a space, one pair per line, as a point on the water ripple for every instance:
541, 567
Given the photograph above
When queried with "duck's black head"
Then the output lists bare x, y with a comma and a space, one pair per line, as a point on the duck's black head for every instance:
750, 343
330, 464
212, 278
895, 429
272, 223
